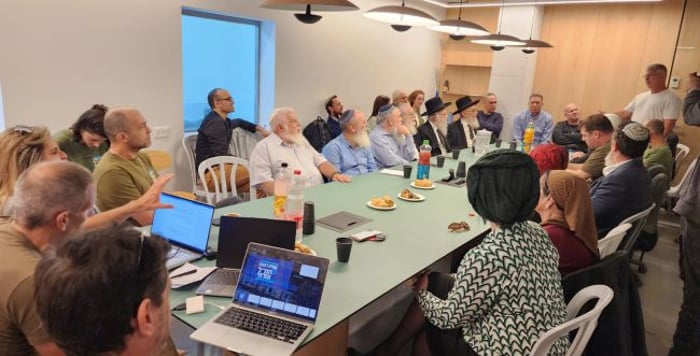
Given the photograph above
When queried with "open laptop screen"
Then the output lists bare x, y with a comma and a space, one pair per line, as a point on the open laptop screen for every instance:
282, 281
186, 225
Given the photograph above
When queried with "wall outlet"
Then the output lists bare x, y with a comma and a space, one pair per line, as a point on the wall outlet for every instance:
161, 132
675, 82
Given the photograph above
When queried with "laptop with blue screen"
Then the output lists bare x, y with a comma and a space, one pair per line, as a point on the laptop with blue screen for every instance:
186, 226
275, 304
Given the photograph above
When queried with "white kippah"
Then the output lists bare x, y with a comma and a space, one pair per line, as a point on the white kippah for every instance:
636, 132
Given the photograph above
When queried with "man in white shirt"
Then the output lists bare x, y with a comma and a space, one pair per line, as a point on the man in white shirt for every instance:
287, 144
657, 103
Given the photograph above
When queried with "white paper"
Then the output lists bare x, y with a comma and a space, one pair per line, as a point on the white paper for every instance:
199, 274
391, 172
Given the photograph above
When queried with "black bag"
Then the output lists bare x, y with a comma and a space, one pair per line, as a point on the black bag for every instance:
317, 133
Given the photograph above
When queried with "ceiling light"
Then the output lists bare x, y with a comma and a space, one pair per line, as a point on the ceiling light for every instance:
459, 28
531, 44
402, 16
498, 39
449, 4
305, 5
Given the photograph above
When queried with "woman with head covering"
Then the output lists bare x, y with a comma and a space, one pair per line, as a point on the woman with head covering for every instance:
23, 146
567, 216
549, 156
507, 290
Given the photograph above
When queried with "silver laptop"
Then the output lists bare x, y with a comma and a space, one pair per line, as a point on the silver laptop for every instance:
275, 304
235, 233
186, 226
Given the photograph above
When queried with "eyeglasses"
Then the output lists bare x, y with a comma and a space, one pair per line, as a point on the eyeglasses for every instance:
225, 99
23, 129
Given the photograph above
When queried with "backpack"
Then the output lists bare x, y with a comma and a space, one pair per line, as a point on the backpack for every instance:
317, 133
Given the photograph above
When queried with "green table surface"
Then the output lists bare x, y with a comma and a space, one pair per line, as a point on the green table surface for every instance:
417, 236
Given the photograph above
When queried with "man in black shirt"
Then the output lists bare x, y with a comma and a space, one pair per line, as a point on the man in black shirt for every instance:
215, 132
334, 108
567, 133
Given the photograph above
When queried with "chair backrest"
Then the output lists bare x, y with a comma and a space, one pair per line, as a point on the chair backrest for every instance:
242, 143
188, 143
656, 169
674, 191
659, 186
681, 153
586, 322
637, 221
222, 190
611, 241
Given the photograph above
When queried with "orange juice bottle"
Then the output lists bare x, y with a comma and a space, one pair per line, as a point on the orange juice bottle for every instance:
528, 137
282, 183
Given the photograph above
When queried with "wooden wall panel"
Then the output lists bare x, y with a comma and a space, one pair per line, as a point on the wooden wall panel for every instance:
601, 51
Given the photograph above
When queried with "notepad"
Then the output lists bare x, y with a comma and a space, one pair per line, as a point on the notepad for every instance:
342, 221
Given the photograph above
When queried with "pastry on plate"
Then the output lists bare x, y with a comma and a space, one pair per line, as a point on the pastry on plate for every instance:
383, 202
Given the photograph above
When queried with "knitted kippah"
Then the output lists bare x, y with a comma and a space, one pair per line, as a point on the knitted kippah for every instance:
636, 132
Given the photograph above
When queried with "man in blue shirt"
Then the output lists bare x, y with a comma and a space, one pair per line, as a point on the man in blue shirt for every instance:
544, 124
392, 143
350, 152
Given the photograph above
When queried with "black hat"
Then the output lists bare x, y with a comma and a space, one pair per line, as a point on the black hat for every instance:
463, 103
434, 105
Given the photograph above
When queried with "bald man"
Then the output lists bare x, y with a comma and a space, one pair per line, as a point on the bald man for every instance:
125, 173
567, 133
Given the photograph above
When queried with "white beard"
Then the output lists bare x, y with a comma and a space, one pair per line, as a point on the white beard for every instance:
398, 137
299, 139
473, 122
412, 129
442, 127
362, 139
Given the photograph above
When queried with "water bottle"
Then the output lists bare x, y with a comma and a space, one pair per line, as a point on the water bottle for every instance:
282, 182
294, 208
528, 137
424, 160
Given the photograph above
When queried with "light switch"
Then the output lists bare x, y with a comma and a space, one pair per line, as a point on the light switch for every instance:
675, 82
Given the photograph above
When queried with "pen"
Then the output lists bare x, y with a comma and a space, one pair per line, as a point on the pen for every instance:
184, 273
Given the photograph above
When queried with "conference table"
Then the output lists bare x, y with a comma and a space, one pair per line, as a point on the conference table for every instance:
416, 237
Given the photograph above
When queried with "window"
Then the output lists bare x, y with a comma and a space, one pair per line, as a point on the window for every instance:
219, 52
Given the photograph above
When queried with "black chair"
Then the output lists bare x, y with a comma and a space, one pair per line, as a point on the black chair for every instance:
649, 235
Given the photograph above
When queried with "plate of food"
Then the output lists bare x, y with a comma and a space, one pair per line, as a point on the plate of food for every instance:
383, 203
299, 247
408, 195
423, 184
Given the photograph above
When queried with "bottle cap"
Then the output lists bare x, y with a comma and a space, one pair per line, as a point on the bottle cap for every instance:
426, 142
284, 164
297, 172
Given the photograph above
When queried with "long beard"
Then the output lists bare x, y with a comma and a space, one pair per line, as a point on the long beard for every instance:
472, 122
400, 139
442, 127
298, 139
362, 139
412, 129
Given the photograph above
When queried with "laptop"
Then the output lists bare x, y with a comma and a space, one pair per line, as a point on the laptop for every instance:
275, 304
235, 233
186, 226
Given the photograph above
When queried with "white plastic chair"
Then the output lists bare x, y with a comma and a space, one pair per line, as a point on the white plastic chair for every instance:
586, 322
188, 143
681, 153
637, 221
243, 142
611, 241
674, 191
221, 188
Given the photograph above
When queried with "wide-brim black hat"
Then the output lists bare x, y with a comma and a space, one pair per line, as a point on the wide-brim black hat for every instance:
463, 103
434, 105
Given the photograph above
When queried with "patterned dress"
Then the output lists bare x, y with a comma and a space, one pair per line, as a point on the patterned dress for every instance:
507, 293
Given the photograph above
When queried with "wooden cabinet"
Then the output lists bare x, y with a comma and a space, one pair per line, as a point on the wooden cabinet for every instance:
466, 67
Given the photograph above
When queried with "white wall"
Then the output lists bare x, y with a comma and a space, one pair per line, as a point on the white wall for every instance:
513, 71
60, 57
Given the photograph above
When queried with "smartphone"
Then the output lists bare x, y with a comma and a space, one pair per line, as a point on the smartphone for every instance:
364, 235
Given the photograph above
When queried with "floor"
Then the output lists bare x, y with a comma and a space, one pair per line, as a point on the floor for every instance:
661, 296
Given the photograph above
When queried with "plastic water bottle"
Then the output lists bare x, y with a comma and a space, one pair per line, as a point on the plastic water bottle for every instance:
528, 137
282, 183
424, 160
294, 209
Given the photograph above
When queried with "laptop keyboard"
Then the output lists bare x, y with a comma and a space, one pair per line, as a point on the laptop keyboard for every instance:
224, 277
261, 324
180, 257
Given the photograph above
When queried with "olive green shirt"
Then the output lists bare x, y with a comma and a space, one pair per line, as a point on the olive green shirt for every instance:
120, 180
659, 155
596, 161
20, 326
77, 152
